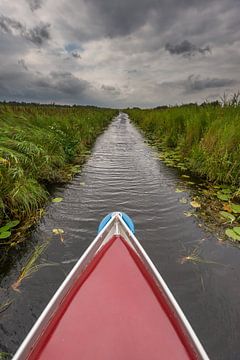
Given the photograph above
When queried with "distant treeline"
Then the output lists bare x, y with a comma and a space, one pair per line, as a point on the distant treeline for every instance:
40, 145
206, 138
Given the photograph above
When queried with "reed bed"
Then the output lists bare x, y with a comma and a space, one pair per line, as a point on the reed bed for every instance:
41, 145
204, 139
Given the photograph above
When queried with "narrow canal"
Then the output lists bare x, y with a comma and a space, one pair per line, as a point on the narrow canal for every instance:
124, 173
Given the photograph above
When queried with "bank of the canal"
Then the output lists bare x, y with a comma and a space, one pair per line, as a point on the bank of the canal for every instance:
124, 173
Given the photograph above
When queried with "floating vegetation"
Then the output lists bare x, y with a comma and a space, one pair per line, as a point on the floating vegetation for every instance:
183, 200
223, 197
192, 257
82, 183
227, 216
5, 355
188, 213
235, 208
195, 258
6, 230
233, 234
179, 190
30, 267
57, 199
5, 306
195, 204
59, 232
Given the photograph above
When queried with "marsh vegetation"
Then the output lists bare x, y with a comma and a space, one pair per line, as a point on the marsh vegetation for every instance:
40, 145
203, 142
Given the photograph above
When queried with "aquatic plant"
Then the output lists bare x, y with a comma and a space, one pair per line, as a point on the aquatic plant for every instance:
30, 266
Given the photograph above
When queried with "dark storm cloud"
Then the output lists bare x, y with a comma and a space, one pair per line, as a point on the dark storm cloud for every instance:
195, 83
35, 4
121, 18
186, 48
57, 86
37, 35
64, 83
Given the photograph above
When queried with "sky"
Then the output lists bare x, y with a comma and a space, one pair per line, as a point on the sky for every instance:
119, 53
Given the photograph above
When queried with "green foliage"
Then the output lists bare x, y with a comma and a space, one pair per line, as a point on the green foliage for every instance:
205, 138
40, 145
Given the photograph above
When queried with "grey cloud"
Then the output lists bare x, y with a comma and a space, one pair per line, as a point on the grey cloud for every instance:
186, 48
35, 4
61, 87
110, 89
8, 25
23, 64
76, 55
195, 83
37, 35
64, 82
125, 43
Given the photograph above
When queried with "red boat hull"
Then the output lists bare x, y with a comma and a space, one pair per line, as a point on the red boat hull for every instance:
114, 311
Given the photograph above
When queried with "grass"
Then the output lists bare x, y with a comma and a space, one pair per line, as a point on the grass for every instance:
30, 266
40, 145
203, 139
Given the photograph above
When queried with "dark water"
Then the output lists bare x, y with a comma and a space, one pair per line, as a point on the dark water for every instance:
123, 173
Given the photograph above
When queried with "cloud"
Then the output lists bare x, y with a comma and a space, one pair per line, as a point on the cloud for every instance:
63, 82
112, 90
37, 34
196, 83
35, 4
186, 48
23, 64
76, 55
118, 53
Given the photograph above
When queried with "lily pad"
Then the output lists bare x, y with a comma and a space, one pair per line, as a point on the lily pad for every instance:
236, 229
58, 231
227, 216
223, 197
11, 224
5, 234
235, 208
57, 199
195, 204
232, 234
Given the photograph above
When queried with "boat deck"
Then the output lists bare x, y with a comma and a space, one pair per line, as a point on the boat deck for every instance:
115, 314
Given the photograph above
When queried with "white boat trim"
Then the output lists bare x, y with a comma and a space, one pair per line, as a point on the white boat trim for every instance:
116, 226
